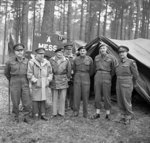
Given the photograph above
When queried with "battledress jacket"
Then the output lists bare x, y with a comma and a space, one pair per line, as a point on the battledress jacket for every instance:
61, 72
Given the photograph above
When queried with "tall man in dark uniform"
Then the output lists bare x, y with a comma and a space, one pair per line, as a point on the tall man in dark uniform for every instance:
127, 75
83, 68
104, 66
16, 73
68, 54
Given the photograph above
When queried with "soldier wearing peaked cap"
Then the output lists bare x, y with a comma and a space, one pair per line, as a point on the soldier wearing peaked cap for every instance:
68, 53
16, 73
40, 75
83, 69
127, 76
105, 68
68, 46
59, 49
62, 71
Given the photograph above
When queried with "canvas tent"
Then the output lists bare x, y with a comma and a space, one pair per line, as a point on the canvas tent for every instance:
139, 51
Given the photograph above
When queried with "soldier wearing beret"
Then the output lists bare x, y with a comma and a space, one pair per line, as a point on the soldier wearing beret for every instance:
105, 65
61, 75
83, 68
127, 75
40, 75
16, 73
68, 54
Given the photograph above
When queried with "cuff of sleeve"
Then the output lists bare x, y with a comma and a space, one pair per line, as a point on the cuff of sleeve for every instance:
50, 77
34, 79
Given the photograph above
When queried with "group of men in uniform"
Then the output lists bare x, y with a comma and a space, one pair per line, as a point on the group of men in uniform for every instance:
68, 76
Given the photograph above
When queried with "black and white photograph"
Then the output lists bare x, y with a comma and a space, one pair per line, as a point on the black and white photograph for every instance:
74, 71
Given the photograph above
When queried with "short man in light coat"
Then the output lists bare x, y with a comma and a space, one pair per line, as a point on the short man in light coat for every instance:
40, 75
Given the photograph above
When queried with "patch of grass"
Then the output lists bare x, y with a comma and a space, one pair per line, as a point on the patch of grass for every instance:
71, 129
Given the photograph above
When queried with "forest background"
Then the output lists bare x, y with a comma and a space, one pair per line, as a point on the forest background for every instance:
73, 19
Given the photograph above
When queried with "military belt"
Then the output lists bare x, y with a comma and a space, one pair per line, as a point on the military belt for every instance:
124, 77
103, 71
82, 72
19, 75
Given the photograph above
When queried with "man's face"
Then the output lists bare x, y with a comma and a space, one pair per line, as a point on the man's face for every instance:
68, 51
103, 50
59, 54
19, 52
123, 54
82, 52
40, 56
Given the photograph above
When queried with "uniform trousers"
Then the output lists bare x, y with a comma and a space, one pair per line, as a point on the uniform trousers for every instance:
124, 90
102, 88
19, 89
59, 97
81, 89
38, 107
69, 100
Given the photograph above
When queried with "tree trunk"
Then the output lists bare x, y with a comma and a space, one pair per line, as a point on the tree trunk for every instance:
81, 21
92, 26
34, 19
148, 27
121, 24
99, 18
24, 37
64, 17
69, 22
143, 27
74, 33
130, 22
39, 20
98, 26
137, 19
147, 19
48, 17
105, 19
5, 31
60, 20
87, 26
116, 25
17, 20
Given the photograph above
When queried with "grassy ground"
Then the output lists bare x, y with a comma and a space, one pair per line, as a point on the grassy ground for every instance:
71, 129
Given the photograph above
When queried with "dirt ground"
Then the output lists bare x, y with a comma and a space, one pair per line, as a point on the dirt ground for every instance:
71, 129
